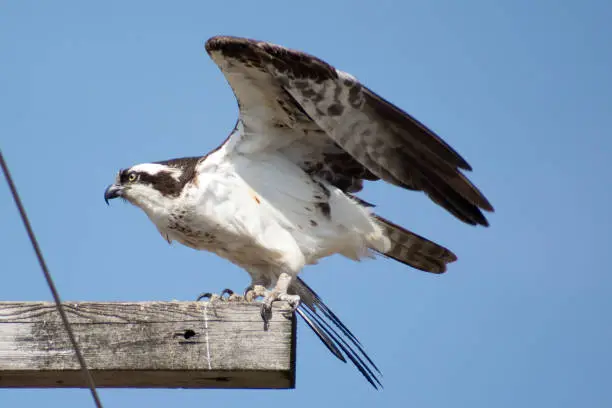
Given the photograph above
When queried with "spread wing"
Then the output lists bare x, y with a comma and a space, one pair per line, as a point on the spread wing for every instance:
335, 127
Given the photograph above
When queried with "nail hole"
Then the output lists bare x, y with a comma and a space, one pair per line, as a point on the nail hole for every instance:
189, 333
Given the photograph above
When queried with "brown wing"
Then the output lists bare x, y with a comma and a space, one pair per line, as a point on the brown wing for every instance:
353, 133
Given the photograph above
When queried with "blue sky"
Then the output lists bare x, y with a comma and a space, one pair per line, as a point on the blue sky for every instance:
522, 89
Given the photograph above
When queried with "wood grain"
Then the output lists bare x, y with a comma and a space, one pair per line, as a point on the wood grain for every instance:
147, 344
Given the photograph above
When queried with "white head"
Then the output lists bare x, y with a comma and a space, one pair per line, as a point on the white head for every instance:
153, 186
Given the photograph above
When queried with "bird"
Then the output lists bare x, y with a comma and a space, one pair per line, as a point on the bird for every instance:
280, 192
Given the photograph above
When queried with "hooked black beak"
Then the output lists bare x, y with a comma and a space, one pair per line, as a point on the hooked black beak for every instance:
112, 191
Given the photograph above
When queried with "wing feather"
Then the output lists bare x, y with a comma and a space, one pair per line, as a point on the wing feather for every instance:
353, 133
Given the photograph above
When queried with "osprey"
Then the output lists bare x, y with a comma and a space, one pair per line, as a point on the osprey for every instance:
277, 195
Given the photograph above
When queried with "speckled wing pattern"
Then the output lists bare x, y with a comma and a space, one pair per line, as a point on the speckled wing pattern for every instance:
350, 133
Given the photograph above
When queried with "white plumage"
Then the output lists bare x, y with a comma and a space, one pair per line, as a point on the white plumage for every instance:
278, 193
261, 208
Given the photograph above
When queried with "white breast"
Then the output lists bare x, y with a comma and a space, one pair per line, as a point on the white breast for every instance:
263, 209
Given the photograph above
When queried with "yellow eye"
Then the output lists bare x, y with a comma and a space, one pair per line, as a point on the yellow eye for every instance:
132, 177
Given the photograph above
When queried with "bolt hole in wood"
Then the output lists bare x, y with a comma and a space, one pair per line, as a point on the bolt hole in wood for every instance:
189, 333
186, 334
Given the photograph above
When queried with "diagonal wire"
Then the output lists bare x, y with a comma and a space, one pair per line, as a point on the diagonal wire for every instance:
56, 296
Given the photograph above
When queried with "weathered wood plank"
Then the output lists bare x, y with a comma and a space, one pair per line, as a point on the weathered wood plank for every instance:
147, 344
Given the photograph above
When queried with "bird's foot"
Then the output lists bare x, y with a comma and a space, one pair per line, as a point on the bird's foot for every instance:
214, 297
255, 291
278, 293
273, 296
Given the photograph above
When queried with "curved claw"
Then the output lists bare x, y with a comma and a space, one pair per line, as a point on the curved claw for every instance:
204, 295
228, 292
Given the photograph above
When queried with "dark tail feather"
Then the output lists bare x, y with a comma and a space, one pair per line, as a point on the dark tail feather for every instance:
333, 333
414, 250
321, 333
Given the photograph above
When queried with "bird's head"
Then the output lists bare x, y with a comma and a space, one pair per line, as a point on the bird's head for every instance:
152, 186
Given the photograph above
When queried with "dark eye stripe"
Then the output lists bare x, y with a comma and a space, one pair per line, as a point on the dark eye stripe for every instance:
124, 175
